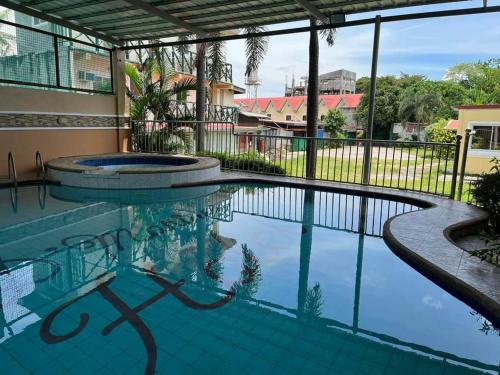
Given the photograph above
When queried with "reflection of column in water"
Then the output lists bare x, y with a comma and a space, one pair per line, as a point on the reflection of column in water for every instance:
124, 243
201, 233
305, 248
363, 209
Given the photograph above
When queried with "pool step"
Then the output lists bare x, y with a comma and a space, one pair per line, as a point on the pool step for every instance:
28, 179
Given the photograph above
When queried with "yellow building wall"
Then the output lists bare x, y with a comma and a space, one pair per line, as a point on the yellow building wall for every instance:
286, 110
477, 162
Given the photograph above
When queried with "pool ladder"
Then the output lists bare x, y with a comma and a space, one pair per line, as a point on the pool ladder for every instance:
40, 172
40, 166
11, 161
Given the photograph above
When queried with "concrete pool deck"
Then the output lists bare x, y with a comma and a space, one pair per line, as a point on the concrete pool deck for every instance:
423, 239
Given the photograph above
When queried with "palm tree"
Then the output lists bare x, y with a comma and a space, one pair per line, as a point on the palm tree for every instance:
418, 107
152, 87
256, 48
313, 93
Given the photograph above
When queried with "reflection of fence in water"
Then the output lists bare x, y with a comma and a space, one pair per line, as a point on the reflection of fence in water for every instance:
332, 210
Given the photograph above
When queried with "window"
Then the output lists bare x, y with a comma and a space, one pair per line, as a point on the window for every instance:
486, 137
269, 115
304, 118
35, 21
322, 117
288, 117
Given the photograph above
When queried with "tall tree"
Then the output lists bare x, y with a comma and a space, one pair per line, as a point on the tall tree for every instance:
313, 95
482, 79
201, 49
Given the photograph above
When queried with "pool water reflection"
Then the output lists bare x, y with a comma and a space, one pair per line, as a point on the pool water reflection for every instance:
231, 278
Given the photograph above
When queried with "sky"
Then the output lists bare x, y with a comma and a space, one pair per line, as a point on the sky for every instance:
427, 47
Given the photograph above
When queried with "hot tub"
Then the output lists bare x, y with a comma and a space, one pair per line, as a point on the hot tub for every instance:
131, 171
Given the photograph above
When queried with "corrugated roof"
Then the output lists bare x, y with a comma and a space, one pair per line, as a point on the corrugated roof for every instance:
295, 102
127, 20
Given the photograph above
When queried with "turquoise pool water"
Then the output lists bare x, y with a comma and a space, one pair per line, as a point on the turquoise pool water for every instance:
221, 279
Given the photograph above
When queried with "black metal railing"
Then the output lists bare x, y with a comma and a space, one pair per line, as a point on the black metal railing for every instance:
185, 111
33, 57
185, 62
428, 167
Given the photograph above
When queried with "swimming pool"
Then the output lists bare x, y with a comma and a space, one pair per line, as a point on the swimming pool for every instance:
221, 279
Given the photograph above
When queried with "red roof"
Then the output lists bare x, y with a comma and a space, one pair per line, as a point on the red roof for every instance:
263, 103
452, 125
351, 100
295, 102
331, 101
278, 103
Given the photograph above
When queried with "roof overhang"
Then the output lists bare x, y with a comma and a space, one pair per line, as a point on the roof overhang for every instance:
121, 21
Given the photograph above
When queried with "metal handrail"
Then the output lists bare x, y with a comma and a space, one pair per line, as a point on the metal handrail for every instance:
12, 168
40, 167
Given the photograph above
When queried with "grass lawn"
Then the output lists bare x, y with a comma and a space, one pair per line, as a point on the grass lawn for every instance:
408, 169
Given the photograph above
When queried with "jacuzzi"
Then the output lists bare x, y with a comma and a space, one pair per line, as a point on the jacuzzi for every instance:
131, 171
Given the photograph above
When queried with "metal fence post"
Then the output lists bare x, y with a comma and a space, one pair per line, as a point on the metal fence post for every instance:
371, 104
56, 57
464, 162
454, 174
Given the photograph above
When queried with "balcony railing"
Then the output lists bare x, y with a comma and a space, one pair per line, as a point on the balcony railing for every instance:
187, 111
414, 166
185, 62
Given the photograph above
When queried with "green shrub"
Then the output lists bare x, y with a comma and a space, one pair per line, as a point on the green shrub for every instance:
437, 133
487, 193
252, 161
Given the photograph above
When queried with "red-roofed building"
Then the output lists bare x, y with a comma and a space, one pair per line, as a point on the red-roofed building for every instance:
294, 108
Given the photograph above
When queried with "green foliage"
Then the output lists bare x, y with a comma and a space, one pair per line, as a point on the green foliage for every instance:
314, 302
487, 193
436, 132
491, 251
152, 86
415, 98
481, 79
255, 48
217, 58
251, 161
389, 90
334, 122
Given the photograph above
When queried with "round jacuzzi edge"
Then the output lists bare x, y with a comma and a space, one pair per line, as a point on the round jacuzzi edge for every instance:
75, 171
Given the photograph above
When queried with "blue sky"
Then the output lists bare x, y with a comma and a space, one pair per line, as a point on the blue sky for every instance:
425, 47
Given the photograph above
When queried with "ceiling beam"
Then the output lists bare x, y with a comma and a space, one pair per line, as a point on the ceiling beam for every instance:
315, 12
59, 21
166, 16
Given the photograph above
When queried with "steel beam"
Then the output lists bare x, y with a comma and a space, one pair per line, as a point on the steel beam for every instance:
166, 16
58, 21
366, 21
313, 11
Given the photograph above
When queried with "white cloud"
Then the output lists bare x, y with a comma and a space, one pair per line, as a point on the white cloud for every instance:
425, 47
432, 302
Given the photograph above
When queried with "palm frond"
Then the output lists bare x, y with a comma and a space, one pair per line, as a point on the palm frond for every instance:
182, 48
255, 49
217, 61
134, 76
183, 85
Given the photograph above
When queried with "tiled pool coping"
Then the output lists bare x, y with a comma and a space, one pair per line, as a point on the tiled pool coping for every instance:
423, 238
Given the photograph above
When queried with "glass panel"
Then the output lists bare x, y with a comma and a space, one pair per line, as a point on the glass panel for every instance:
485, 138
